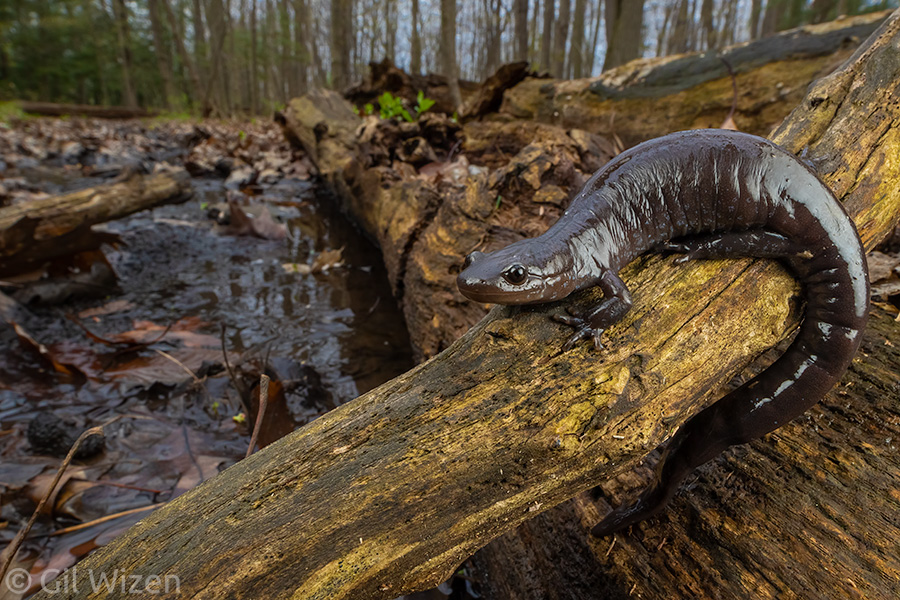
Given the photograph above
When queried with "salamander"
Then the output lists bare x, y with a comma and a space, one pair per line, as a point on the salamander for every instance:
702, 194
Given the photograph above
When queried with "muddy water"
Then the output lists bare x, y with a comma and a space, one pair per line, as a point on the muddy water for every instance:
343, 322
176, 263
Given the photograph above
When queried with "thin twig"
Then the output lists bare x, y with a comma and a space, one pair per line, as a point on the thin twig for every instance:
14, 546
263, 402
87, 524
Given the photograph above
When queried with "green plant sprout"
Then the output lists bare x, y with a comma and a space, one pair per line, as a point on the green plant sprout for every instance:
423, 103
391, 106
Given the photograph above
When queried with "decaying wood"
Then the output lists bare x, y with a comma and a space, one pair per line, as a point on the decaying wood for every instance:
695, 89
388, 493
385, 77
33, 232
50, 109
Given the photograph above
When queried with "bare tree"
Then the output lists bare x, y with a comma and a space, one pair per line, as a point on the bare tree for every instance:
123, 35
595, 36
415, 61
341, 34
186, 60
576, 54
547, 37
163, 56
755, 14
492, 33
706, 22
560, 38
624, 19
679, 36
520, 12
448, 49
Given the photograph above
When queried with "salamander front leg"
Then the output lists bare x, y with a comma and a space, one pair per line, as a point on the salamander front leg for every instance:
591, 325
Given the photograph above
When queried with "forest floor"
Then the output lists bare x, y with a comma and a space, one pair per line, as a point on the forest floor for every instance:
169, 331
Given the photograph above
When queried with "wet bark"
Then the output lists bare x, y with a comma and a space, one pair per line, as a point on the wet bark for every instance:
695, 90
34, 232
390, 492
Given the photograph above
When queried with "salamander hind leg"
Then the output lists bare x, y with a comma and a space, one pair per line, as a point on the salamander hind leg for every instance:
591, 324
759, 243
699, 440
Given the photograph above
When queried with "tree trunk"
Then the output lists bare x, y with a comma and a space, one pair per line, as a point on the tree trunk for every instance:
341, 30
679, 38
755, 14
163, 57
415, 60
123, 35
448, 50
595, 38
560, 37
576, 53
708, 27
520, 32
623, 31
254, 63
301, 44
196, 87
390, 492
200, 49
547, 37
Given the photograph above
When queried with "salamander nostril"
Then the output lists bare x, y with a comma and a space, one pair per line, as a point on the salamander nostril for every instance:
471, 257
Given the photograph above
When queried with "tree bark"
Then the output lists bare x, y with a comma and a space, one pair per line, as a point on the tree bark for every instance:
560, 38
448, 50
547, 37
520, 32
123, 35
254, 63
341, 32
191, 65
772, 76
415, 64
710, 35
390, 492
623, 31
163, 57
576, 54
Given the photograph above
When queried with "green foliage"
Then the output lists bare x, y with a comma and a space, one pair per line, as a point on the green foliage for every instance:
10, 111
390, 107
423, 103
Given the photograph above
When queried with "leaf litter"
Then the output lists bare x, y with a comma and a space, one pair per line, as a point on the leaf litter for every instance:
172, 345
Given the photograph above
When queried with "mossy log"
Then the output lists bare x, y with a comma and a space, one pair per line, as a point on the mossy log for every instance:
388, 493
41, 230
641, 98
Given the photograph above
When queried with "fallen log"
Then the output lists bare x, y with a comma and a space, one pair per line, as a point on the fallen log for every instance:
388, 493
50, 109
34, 232
771, 76
848, 131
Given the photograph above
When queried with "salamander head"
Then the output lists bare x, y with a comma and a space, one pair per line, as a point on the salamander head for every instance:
517, 274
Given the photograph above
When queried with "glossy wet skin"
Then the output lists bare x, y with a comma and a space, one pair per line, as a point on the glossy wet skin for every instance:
717, 193
515, 275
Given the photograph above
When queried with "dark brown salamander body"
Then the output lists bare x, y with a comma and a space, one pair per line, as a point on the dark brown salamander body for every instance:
717, 193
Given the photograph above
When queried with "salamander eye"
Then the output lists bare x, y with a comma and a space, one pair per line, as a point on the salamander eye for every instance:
516, 274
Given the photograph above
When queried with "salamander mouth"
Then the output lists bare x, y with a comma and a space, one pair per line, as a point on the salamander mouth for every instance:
483, 291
